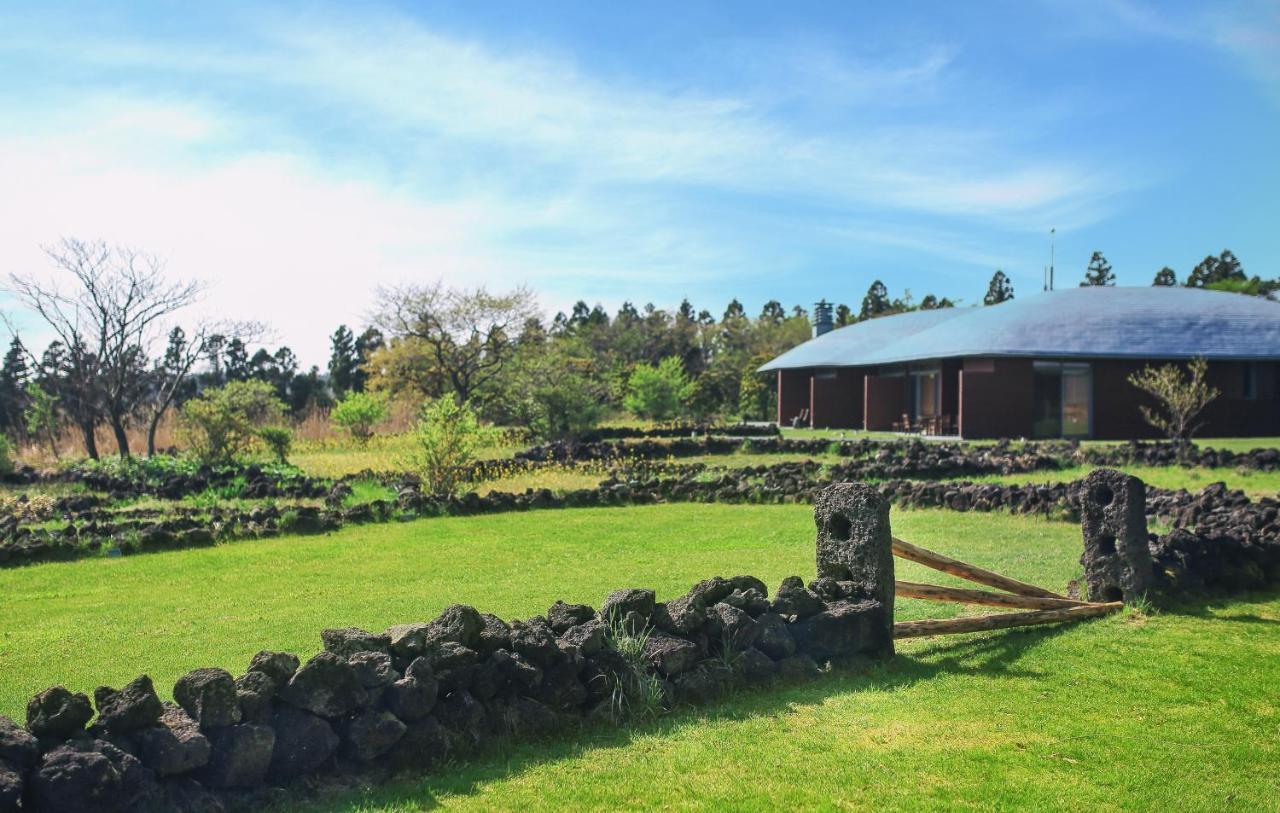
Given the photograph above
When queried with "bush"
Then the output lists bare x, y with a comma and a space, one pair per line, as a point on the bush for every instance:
279, 440
445, 443
6, 456
359, 412
659, 392
561, 405
225, 421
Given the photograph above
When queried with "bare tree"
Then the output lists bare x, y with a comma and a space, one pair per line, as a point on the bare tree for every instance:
1182, 397
469, 332
181, 355
106, 318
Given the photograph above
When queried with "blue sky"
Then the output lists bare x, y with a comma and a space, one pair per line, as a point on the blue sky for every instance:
298, 156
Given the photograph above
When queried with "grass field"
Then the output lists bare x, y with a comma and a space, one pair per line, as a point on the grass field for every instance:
1178, 710
1254, 483
336, 458
1231, 444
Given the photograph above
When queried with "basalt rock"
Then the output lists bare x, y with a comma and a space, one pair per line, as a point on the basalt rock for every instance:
133, 707
18, 747
209, 696
279, 666
348, 641
303, 742
562, 616
57, 713
620, 602
326, 685
174, 746
240, 757
670, 655
88, 776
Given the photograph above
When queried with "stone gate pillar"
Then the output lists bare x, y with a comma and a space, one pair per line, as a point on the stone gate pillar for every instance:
855, 543
1113, 519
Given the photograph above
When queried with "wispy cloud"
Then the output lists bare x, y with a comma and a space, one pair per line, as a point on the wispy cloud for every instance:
379, 148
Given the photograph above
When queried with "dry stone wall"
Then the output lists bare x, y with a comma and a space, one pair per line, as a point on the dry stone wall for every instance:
411, 696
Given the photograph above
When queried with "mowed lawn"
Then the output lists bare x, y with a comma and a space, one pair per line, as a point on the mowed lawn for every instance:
1253, 482
1178, 710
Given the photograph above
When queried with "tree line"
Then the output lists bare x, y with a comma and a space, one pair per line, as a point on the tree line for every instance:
124, 355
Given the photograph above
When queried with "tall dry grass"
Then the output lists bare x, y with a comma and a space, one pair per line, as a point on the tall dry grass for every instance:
311, 429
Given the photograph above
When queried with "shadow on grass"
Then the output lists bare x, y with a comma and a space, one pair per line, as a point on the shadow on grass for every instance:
989, 655
1212, 607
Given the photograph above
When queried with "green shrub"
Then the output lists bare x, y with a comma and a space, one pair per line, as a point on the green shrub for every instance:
359, 412
6, 456
562, 406
279, 440
223, 422
41, 415
445, 442
659, 392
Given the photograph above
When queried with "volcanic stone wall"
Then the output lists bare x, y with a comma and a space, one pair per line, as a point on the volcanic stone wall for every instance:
411, 696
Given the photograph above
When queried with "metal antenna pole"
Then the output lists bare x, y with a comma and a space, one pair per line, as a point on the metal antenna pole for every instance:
1053, 234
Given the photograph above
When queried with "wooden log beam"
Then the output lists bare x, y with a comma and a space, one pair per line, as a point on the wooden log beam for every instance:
999, 621
963, 595
955, 567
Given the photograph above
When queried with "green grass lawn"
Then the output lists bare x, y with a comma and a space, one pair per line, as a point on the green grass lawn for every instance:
1255, 483
340, 457
1232, 444
1178, 710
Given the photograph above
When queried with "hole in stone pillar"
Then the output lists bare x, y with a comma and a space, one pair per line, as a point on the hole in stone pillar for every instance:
839, 528
1112, 593
1107, 545
1103, 495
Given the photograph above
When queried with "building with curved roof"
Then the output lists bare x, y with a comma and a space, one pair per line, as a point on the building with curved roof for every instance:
1050, 365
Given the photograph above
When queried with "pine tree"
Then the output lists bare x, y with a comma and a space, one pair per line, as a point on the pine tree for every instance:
13, 381
876, 302
342, 361
1211, 270
368, 343
1165, 278
1099, 272
1000, 289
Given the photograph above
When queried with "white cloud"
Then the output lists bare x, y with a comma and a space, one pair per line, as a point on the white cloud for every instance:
324, 159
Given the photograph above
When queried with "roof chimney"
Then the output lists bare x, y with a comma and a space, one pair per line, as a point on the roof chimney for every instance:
822, 322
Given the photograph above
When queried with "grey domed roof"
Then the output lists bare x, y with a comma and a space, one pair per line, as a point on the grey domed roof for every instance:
1094, 322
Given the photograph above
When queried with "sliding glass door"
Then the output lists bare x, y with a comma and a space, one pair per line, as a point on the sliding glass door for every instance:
926, 394
1062, 398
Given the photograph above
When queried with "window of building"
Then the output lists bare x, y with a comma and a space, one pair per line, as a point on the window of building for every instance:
1249, 382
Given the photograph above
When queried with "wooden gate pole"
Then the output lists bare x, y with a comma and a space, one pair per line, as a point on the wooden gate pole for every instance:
963, 595
955, 567
999, 621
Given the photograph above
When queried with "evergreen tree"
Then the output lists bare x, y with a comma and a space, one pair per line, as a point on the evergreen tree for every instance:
844, 316
1223, 268
236, 361
305, 390
1000, 289
370, 342
1099, 272
773, 312
13, 382
876, 302
1165, 278
343, 361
